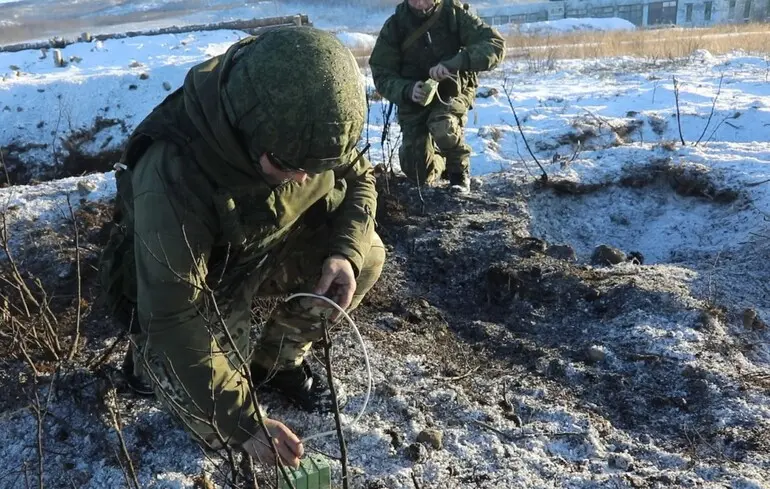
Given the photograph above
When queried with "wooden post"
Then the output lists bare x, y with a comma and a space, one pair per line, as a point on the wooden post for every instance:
58, 61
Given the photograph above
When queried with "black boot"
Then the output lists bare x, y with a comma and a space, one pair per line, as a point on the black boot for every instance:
460, 182
135, 382
305, 388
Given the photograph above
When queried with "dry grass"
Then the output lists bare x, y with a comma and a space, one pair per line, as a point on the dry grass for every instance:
650, 43
541, 51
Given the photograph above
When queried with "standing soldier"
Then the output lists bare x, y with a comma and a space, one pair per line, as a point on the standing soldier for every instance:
244, 182
442, 41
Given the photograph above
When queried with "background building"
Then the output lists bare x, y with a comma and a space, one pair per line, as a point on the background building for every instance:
639, 12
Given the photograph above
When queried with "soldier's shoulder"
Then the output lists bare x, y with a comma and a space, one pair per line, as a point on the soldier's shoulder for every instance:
463, 9
460, 5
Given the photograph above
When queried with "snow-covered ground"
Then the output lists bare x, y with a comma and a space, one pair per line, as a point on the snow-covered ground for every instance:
562, 26
607, 133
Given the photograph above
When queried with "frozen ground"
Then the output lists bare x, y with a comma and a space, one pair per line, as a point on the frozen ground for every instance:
490, 325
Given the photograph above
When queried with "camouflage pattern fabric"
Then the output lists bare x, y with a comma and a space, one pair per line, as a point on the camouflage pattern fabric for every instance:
461, 42
295, 325
441, 126
286, 337
199, 228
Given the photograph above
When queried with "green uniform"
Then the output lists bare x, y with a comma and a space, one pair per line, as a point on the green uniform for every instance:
461, 42
200, 231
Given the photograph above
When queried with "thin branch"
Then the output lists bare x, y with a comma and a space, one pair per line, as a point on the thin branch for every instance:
5, 167
419, 189
713, 106
117, 422
415, 481
713, 133
247, 371
544, 176
678, 112
122, 467
335, 405
576, 153
79, 306
522, 436
26, 475
108, 352
755, 184
460, 377
233, 466
217, 319
39, 418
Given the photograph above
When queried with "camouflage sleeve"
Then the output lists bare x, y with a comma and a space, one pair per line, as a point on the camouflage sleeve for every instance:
354, 224
385, 62
483, 46
173, 238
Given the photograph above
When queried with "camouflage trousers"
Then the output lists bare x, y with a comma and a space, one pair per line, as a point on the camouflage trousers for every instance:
286, 337
439, 127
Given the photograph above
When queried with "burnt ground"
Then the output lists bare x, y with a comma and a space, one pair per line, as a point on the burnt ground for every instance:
538, 369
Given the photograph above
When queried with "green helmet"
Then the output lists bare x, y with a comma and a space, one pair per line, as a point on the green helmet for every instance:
296, 93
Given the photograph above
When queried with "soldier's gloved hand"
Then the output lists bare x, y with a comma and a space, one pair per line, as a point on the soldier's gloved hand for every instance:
288, 446
418, 92
439, 72
337, 282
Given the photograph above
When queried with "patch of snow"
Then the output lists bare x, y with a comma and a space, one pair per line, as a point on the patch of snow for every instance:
575, 25
357, 40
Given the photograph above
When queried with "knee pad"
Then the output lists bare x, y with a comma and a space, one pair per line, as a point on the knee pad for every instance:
446, 132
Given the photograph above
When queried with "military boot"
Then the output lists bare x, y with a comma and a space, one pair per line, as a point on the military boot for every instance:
301, 385
460, 182
133, 378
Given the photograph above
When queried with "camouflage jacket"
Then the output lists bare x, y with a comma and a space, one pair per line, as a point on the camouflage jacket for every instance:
458, 39
192, 207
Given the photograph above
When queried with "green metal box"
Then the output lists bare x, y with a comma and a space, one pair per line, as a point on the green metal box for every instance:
313, 473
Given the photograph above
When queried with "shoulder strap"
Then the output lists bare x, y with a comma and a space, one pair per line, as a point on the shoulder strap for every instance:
423, 28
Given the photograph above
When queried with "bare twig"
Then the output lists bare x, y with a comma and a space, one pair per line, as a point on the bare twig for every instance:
220, 319
337, 419
544, 176
716, 128
384, 139
39, 415
713, 106
49, 340
460, 377
79, 298
251, 471
419, 189
5, 168
755, 184
575, 154
415, 481
26, 475
108, 352
215, 318
678, 112
522, 436
117, 422
233, 466
122, 467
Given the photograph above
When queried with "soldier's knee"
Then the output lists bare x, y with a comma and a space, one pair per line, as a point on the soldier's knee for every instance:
373, 264
446, 132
